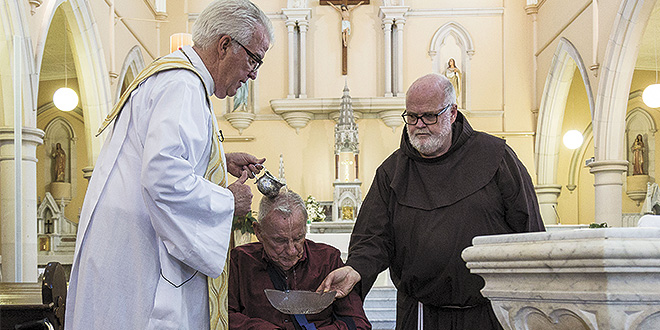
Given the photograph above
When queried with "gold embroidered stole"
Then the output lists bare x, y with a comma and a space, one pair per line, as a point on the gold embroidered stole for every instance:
215, 172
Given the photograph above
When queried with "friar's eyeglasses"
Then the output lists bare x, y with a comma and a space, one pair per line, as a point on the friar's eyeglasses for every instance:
427, 118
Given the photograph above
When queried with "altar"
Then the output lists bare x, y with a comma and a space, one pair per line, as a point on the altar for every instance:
605, 278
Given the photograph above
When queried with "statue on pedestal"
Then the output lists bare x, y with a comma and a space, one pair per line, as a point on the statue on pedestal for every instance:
60, 163
454, 75
638, 155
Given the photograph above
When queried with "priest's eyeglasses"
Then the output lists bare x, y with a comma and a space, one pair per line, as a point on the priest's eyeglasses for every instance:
256, 60
427, 118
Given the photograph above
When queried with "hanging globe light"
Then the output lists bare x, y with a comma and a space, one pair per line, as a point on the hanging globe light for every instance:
65, 99
573, 139
651, 96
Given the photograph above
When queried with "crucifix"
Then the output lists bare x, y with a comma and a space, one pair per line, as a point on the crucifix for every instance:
341, 6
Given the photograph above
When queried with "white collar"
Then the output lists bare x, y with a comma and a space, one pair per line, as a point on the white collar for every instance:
199, 66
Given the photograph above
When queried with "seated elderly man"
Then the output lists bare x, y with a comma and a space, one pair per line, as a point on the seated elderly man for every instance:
284, 255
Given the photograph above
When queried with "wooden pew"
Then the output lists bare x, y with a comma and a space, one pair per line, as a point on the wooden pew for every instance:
30, 306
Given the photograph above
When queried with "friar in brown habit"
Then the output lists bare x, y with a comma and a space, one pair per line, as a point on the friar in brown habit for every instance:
445, 185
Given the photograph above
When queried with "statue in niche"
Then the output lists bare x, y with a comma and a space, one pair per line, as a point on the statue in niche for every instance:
638, 155
345, 13
60, 162
241, 97
454, 75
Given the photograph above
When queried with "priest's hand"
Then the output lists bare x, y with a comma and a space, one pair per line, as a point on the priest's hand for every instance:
342, 280
242, 195
238, 162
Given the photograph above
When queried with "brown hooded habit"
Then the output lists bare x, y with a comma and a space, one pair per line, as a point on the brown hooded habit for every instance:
421, 213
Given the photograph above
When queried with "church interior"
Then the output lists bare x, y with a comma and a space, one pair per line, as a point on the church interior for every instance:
563, 82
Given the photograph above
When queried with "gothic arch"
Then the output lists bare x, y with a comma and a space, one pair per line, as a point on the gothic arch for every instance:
553, 103
645, 115
616, 77
464, 42
133, 64
611, 104
95, 99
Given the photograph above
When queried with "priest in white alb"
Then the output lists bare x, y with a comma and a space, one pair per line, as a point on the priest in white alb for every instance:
156, 219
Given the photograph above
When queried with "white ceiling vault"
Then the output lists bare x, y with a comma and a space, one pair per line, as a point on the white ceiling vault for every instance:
53, 61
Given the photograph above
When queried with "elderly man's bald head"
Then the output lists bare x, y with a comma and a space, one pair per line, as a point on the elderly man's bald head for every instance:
433, 85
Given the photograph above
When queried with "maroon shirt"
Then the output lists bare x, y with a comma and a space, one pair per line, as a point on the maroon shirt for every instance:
250, 309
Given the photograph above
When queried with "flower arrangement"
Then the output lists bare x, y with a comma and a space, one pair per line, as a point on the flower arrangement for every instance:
244, 223
315, 211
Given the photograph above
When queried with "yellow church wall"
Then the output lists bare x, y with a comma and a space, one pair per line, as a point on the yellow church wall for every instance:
176, 23
272, 77
134, 26
586, 207
309, 155
444, 4
485, 66
518, 68
555, 15
324, 52
641, 79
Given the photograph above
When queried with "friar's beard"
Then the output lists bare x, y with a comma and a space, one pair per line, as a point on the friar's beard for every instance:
432, 143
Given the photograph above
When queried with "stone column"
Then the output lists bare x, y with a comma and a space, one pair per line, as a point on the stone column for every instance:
547, 195
297, 17
303, 26
291, 26
399, 45
393, 15
608, 184
387, 44
27, 247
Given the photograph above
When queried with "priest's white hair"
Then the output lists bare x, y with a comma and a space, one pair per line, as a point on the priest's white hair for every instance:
236, 18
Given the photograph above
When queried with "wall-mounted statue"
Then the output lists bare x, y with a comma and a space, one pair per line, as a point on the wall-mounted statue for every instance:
638, 155
60, 163
454, 75
345, 13
241, 97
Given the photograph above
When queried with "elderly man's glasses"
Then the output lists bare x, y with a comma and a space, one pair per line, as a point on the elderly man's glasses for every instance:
427, 118
256, 60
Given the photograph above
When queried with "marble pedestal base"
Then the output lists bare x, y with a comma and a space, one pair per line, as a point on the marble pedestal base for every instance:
578, 279
61, 191
636, 187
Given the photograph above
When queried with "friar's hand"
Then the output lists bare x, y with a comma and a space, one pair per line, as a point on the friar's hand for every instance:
238, 162
342, 280
242, 195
